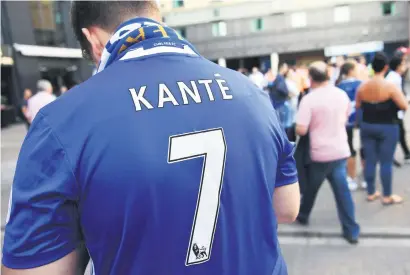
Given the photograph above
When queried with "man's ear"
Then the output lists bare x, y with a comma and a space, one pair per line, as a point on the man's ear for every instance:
96, 46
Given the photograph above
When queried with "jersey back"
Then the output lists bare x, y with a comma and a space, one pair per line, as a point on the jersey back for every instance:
175, 161
350, 86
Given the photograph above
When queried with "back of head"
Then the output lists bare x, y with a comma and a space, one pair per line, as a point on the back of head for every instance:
348, 69
379, 62
44, 85
283, 68
395, 62
27, 93
318, 72
255, 70
107, 15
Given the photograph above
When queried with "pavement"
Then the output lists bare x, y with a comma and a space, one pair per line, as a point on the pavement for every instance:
374, 219
384, 247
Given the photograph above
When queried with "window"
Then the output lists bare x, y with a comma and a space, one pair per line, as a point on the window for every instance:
178, 3
388, 8
181, 31
298, 19
47, 23
219, 29
341, 14
257, 24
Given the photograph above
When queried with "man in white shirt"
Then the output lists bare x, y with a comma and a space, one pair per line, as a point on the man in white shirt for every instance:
258, 78
398, 68
43, 97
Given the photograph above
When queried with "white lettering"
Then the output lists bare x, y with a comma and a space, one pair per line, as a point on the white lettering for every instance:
139, 98
163, 89
193, 94
223, 89
208, 88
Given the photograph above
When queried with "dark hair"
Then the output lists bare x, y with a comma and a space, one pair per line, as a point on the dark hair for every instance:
344, 71
107, 15
283, 66
398, 54
395, 62
379, 62
318, 75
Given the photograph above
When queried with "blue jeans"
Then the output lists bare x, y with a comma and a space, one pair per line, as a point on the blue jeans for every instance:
284, 114
379, 143
335, 172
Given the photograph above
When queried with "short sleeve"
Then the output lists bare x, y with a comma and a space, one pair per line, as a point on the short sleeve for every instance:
286, 172
304, 113
42, 224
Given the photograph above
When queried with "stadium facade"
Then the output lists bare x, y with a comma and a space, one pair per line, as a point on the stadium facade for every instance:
246, 33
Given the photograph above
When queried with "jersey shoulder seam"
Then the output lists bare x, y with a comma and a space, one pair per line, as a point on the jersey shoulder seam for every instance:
62, 147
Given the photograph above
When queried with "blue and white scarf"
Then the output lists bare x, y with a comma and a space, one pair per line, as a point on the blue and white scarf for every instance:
148, 34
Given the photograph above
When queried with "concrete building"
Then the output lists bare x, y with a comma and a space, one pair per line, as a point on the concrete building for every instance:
246, 33
37, 42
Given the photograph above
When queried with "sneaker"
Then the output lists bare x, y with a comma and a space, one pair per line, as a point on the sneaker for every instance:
396, 163
302, 221
352, 184
407, 159
351, 240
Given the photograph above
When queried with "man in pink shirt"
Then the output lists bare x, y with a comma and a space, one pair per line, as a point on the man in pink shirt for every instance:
324, 113
43, 97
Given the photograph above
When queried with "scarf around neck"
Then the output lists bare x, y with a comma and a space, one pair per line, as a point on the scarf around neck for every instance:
145, 32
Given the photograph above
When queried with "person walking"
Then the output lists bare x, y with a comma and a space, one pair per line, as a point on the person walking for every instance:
161, 150
258, 78
279, 94
397, 69
63, 89
43, 97
291, 104
348, 81
24, 108
362, 69
380, 101
323, 112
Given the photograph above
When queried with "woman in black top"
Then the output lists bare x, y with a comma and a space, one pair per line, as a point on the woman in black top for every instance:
379, 130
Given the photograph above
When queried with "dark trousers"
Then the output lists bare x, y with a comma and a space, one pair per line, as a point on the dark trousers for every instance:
335, 172
403, 142
379, 143
291, 133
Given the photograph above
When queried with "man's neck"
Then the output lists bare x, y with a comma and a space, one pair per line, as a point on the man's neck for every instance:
316, 85
379, 76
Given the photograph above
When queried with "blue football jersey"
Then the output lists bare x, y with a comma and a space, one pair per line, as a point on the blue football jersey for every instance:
161, 164
350, 86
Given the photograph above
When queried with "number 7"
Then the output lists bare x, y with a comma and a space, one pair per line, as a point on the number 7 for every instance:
209, 144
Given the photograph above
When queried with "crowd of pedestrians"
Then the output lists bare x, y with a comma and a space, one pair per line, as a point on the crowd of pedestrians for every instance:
325, 105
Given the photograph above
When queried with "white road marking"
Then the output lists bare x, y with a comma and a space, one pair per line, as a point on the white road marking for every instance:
363, 242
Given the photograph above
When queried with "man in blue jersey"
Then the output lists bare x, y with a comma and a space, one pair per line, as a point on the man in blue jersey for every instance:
161, 163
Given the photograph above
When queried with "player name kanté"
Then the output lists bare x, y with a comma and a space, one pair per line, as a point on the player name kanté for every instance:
189, 93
